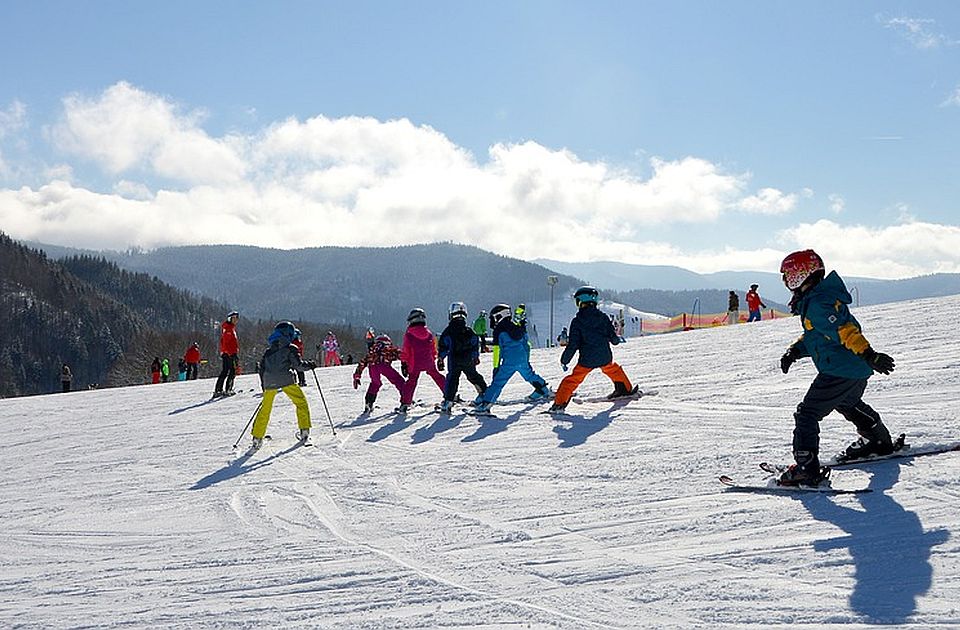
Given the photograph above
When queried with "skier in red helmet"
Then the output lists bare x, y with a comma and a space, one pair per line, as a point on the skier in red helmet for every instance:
844, 360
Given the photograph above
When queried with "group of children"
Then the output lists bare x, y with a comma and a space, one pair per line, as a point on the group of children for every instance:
832, 337
458, 350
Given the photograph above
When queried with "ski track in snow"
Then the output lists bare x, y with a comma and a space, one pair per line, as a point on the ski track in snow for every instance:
125, 507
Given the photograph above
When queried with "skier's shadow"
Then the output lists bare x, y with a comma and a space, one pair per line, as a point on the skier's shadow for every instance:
443, 423
239, 467
400, 422
580, 429
889, 548
491, 425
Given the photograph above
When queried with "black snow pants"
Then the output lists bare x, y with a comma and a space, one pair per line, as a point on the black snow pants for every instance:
828, 393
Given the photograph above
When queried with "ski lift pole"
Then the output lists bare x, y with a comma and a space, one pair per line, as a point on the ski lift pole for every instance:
256, 411
323, 400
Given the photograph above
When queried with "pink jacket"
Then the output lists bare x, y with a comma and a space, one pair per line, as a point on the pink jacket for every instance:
419, 350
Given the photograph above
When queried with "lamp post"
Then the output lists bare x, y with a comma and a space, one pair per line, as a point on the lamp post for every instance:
552, 281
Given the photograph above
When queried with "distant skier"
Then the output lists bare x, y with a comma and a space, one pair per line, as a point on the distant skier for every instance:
511, 355
418, 353
480, 328
378, 363
459, 346
165, 370
563, 337
66, 378
229, 354
298, 342
331, 350
844, 360
155, 369
181, 370
591, 334
192, 358
278, 368
733, 308
754, 304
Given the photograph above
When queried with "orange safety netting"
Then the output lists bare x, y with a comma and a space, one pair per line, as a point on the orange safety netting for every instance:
687, 321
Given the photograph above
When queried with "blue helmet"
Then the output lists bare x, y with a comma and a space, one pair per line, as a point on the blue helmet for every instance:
586, 295
284, 332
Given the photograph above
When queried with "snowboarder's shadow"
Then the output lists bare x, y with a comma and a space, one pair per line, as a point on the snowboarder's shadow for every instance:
491, 425
887, 543
239, 467
581, 428
444, 423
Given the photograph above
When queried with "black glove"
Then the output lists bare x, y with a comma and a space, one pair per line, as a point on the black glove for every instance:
404, 370
788, 359
879, 361
310, 365
440, 363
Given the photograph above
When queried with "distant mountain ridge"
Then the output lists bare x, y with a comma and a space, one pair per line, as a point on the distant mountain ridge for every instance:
628, 277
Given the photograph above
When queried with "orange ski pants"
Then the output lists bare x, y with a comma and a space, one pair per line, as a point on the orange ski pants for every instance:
571, 382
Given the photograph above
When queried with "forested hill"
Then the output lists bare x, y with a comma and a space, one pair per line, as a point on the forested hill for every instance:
352, 286
88, 313
108, 323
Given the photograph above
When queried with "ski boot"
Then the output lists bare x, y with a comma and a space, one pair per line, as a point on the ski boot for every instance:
303, 435
620, 390
368, 401
806, 472
257, 443
873, 441
483, 406
555, 408
445, 407
539, 393
402, 408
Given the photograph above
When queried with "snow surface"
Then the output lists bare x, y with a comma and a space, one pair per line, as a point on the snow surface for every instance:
127, 507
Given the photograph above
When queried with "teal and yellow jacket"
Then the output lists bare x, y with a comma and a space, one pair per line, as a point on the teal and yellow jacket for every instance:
831, 334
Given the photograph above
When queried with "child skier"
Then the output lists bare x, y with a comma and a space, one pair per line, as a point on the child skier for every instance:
417, 354
331, 350
278, 373
377, 360
511, 354
460, 343
591, 334
844, 361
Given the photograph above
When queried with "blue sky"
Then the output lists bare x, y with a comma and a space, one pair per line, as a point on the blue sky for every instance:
703, 134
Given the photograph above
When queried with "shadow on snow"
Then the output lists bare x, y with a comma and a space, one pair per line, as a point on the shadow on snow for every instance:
888, 545
239, 467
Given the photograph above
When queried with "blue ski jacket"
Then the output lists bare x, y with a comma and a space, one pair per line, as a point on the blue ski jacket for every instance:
831, 334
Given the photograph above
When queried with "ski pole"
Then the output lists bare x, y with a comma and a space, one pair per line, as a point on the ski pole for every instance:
324, 401
248, 424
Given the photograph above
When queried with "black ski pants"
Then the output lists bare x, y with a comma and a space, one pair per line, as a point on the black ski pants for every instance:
227, 373
452, 383
828, 393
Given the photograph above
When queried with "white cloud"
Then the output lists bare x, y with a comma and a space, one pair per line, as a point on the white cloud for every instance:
907, 249
126, 129
12, 120
769, 201
837, 203
920, 32
953, 100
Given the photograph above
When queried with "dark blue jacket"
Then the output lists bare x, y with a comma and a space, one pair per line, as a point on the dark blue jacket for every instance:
831, 334
459, 343
591, 333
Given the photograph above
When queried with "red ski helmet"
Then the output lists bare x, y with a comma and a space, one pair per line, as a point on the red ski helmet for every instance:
799, 266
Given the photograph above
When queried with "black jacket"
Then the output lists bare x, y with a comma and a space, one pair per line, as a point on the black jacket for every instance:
459, 344
591, 333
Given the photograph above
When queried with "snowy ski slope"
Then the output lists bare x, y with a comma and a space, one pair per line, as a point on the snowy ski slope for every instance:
127, 507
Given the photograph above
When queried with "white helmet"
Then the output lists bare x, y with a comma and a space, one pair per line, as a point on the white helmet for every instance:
458, 309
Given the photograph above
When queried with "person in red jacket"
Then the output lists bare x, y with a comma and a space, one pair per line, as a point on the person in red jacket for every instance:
298, 342
192, 358
229, 353
754, 304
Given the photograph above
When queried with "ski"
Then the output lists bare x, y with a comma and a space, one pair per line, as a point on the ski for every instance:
771, 487
635, 394
901, 450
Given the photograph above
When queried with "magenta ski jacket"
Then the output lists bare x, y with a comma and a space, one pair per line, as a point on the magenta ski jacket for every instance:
419, 350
